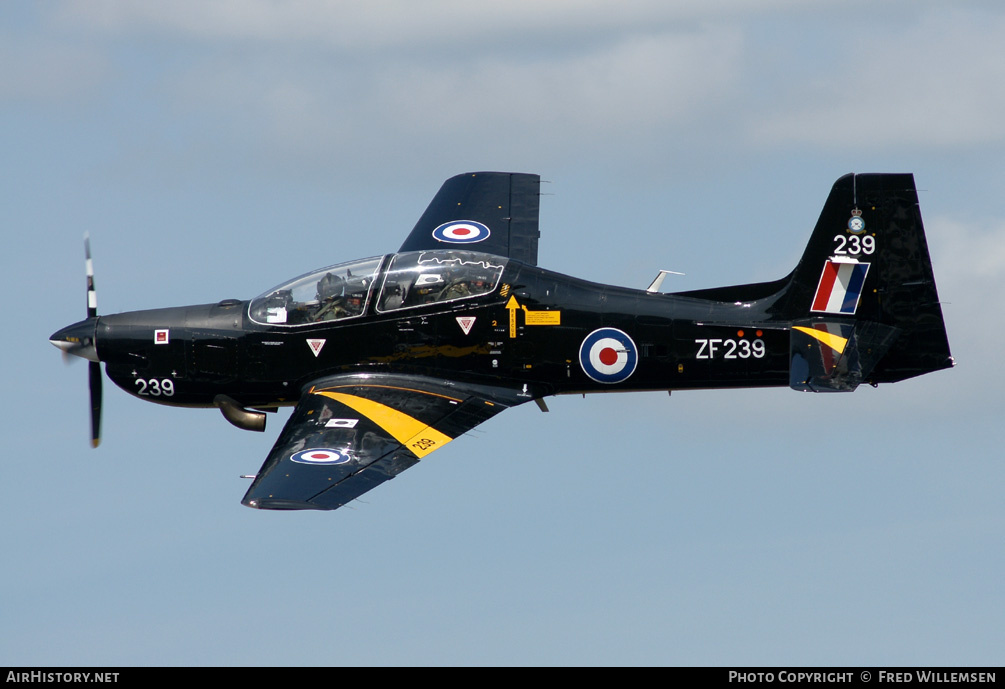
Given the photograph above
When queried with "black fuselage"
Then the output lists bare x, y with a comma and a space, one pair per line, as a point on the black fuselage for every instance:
528, 331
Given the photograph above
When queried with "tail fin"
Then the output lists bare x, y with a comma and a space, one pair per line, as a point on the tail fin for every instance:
862, 301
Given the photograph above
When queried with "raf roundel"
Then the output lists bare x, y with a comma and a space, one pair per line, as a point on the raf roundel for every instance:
320, 456
608, 355
461, 232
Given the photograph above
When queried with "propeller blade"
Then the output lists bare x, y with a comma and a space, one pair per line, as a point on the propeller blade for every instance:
80, 340
92, 298
94, 369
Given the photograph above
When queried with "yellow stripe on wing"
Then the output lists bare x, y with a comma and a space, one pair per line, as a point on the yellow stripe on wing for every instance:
416, 436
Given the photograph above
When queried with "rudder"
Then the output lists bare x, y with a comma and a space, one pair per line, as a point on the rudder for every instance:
866, 272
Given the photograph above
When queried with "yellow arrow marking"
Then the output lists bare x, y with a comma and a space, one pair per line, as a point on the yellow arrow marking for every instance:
530, 317
835, 342
512, 306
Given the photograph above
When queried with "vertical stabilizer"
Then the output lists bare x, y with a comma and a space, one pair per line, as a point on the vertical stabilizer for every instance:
866, 275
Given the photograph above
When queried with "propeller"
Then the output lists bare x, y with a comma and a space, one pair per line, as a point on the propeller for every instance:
79, 340
94, 374
94, 367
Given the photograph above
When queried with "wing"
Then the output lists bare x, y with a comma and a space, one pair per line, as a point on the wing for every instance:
350, 433
492, 212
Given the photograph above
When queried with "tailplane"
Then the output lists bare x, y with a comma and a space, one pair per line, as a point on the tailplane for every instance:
861, 305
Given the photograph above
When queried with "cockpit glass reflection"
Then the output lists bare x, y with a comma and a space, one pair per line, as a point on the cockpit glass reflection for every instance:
330, 294
428, 277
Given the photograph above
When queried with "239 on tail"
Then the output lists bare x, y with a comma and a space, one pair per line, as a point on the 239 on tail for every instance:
387, 359
861, 305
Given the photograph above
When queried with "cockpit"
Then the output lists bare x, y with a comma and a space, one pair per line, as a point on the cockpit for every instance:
427, 277
329, 294
411, 280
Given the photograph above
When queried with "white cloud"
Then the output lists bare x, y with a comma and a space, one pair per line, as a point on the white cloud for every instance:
934, 83
639, 83
644, 82
317, 77
611, 94
377, 25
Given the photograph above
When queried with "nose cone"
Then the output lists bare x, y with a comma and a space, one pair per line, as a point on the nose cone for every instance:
78, 339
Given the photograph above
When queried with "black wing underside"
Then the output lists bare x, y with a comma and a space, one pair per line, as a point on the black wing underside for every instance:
351, 433
507, 203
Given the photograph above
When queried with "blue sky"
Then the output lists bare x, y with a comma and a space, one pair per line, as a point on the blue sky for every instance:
214, 149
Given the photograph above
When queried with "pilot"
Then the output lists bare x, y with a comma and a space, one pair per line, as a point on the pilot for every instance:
330, 286
455, 290
331, 297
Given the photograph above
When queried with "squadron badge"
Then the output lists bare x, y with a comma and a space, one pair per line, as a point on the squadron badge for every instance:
856, 225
